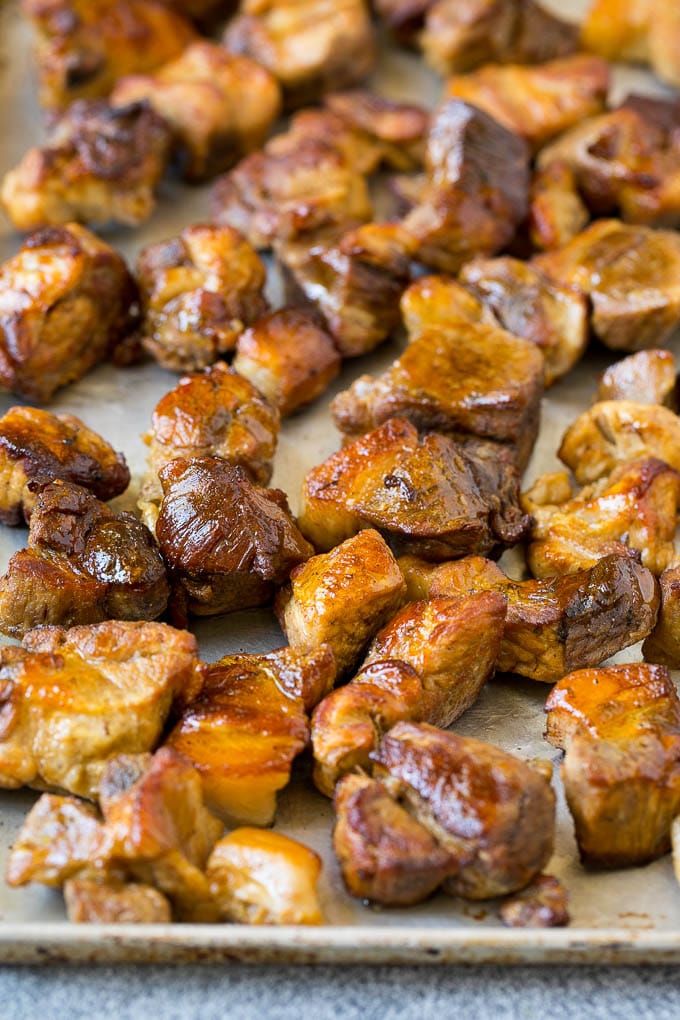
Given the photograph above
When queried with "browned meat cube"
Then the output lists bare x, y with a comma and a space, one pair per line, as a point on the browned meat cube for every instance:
74, 698
100, 165
631, 276
427, 665
92, 902
261, 877
214, 413
199, 292
663, 644
620, 729
37, 447
248, 725
440, 301
639, 31
432, 496
288, 357
65, 302
556, 625
342, 598
648, 377
395, 132
477, 188
219, 105
528, 304
537, 103
354, 281
83, 564
459, 35
311, 46
82, 48
632, 512
614, 432
543, 904
465, 377
58, 839
228, 543
556, 210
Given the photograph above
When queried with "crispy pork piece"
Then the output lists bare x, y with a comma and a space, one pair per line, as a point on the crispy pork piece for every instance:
288, 357
83, 564
427, 665
310, 46
543, 904
438, 301
199, 292
157, 828
636, 30
432, 496
100, 165
474, 198
37, 447
92, 902
341, 598
82, 48
385, 854
214, 413
58, 839
249, 723
527, 303
620, 729
219, 105
556, 625
631, 274
465, 378
261, 877
228, 543
395, 132
537, 103
631, 512
459, 35
556, 210
354, 281
649, 377
65, 302
663, 644
614, 432
74, 698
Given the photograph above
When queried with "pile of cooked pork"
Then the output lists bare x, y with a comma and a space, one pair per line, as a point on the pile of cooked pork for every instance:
526, 218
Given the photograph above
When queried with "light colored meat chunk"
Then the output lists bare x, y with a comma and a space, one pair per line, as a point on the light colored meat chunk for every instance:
557, 212
92, 902
58, 839
636, 30
648, 377
440, 301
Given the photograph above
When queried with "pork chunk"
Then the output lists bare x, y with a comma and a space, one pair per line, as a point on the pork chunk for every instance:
440, 301
649, 377
557, 212
663, 644
638, 31
92, 902
58, 839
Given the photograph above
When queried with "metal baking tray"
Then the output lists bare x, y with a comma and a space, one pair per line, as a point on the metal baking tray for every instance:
617, 916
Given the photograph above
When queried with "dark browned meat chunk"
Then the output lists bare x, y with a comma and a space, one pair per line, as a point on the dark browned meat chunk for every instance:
648, 377
543, 904
663, 644
95, 902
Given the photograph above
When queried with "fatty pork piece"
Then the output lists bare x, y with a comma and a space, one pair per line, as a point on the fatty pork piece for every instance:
620, 729
631, 274
663, 644
642, 32
89, 901
434, 497
65, 301
527, 303
428, 664
248, 724
354, 281
310, 46
476, 193
466, 377
626, 161
556, 210
288, 357
341, 598
59, 839
613, 432
101, 164
632, 512
213, 413
648, 377
543, 904
83, 48
438, 301
83, 564
37, 447
199, 292
537, 103
442, 809
73, 698
261, 877
459, 35
219, 105
228, 543
555, 625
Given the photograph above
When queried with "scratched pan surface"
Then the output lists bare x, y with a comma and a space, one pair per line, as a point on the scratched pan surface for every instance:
623, 916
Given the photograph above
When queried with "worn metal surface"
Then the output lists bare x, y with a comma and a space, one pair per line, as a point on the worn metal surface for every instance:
623, 916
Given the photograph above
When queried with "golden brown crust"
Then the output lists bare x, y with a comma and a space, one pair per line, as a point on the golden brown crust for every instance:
92, 902
648, 377
396, 132
638, 31
556, 210
439, 301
